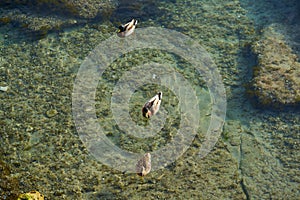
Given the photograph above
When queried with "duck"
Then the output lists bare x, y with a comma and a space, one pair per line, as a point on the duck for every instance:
151, 107
143, 166
127, 29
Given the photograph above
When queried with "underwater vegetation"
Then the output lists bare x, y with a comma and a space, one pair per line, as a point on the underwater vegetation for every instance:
38, 18
9, 186
258, 156
276, 79
80, 8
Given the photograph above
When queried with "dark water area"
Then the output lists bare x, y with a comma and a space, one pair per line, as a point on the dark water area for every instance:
249, 49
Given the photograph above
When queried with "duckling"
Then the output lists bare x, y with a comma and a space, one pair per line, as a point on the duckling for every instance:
143, 166
127, 29
152, 106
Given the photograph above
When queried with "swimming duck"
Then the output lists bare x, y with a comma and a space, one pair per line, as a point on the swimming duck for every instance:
127, 29
143, 166
152, 106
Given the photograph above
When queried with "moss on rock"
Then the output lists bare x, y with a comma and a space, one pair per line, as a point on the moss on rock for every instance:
9, 186
276, 79
33, 195
34, 26
79, 8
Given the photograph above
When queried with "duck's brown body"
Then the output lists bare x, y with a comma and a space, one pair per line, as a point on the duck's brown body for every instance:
127, 29
143, 166
151, 107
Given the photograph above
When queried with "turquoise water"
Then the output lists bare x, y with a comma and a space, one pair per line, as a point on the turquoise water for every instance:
256, 157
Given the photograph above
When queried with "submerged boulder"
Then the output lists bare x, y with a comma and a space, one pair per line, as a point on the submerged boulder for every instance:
79, 8
9, 186
276, 80
36, 18
32, 195
33, 25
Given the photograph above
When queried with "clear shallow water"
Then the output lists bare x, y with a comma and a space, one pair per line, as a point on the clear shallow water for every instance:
256, 157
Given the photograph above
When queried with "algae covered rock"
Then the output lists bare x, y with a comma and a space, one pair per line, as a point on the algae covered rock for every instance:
34, 25
33, 195
276, 79
9, 186
36, 18
80, 8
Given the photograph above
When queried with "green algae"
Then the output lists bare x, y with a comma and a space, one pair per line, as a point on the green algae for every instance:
84, 9
9, 186
170, 103
276, 81
260, 151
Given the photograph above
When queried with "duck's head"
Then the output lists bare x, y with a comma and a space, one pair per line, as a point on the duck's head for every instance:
121, 29
146, 112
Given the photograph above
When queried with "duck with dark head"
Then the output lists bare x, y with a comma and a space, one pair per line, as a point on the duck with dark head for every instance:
151, 107
127, 29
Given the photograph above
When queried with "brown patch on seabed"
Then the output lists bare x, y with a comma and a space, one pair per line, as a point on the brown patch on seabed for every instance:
9, 186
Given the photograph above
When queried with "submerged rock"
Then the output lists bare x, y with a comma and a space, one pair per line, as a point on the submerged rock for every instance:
79, 8
3, 88
35, 19
276, 79
51, 113
33, 195
9, 186
34, 25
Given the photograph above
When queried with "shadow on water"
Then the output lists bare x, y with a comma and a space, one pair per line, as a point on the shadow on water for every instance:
273, 11
37, 8
23, 23
31, 21
142, 10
